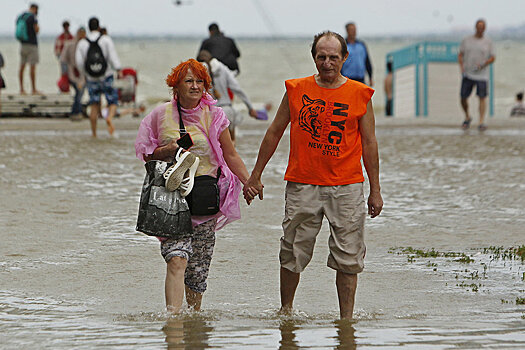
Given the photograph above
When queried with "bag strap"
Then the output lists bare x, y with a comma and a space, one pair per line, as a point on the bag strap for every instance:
182, 128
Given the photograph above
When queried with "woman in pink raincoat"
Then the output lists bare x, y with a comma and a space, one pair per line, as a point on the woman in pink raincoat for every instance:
188, 259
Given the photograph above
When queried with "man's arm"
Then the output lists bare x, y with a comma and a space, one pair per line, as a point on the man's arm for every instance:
371, 159
112, 54
460, 61
234, 86
235, 50
489, 61
270, 142
368, 65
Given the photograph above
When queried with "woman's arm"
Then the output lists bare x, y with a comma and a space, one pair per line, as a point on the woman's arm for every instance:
166, 153
232, 158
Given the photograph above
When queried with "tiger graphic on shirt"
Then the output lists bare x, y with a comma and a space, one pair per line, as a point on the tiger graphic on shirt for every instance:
309, 116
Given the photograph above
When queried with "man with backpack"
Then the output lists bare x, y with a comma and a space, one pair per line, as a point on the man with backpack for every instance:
97, 58
26, 31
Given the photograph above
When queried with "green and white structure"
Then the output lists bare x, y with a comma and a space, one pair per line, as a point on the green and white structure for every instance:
427, 80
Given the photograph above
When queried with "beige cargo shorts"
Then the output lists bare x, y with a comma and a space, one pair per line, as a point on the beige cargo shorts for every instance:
305, 207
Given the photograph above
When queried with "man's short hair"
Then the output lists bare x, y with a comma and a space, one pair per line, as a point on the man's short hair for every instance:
349, 24
93, 23
33, 6
344, 49
214, 27
65, 24
519, 96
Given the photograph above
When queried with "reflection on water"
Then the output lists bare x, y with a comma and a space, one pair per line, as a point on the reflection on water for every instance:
187, 334
345, 335
288, 337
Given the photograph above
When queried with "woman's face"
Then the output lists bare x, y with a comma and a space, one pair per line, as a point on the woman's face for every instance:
189, 90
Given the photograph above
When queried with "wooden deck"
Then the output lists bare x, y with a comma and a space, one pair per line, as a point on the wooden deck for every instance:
49, 105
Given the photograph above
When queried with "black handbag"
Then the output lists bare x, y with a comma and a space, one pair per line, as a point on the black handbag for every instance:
204, 197
162, 213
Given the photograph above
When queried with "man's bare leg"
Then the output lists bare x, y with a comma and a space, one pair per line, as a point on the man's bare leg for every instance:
482, 109
464, 105
289, 283
93, 116
112, 110
193, 299
21, 78
346, 286
32, 75
174, 285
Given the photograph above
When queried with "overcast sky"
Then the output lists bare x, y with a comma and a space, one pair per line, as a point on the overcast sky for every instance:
268, 17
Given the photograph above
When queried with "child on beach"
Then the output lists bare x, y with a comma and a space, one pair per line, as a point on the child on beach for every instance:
518, 110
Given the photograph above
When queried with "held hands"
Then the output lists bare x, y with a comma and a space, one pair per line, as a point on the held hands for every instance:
375, 204
251, 188
253, 113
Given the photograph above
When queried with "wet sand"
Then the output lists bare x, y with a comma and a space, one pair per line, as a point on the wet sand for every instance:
74, 273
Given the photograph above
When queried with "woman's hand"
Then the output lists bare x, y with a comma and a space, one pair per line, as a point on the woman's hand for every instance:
252, 188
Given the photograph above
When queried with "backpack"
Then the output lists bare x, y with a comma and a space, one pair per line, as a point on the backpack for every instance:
95, 64
21, 27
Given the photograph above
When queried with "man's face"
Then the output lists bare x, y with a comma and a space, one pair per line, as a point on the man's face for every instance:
328, 59
480, 28
351, 31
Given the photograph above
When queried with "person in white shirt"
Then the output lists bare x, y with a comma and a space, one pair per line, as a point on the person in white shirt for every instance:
223, 80
100, 84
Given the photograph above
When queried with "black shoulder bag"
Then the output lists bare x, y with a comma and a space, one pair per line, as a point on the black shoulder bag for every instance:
204, 197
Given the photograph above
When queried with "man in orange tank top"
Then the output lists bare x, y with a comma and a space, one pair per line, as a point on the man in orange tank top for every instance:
332, 126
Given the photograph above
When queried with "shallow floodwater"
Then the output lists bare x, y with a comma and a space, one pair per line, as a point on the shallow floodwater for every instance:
74, 273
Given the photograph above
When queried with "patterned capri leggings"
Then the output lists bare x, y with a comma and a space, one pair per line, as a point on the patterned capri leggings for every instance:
197, 250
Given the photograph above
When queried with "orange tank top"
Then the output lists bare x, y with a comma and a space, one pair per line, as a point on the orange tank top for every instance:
325, 142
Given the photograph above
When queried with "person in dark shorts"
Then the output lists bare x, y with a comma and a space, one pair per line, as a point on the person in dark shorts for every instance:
476, 53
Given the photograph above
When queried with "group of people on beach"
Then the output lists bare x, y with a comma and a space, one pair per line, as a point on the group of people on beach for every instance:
75, 54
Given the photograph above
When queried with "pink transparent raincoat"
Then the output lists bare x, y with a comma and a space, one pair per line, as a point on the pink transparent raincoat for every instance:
205, 122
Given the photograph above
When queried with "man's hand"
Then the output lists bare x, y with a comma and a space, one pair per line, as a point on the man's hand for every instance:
252, 187
253, 113
375, 204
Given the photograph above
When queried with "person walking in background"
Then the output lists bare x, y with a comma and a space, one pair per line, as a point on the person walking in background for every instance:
2, 81
60, 41
518, 110
388, 86
476, 53
358, 59
222, 48
99, 72
26, 32
224, 80
332, 127
74, 74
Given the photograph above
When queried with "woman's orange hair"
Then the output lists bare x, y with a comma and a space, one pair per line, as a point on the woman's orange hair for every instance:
178, 73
